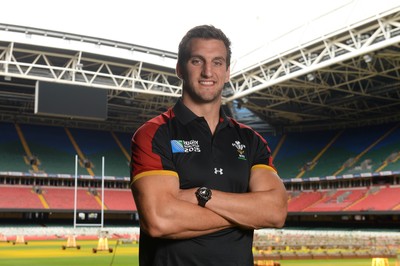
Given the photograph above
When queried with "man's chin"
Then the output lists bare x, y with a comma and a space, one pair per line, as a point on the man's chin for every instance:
207, 98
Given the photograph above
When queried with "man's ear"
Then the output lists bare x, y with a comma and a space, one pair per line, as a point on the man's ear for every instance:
228, 74
178, 71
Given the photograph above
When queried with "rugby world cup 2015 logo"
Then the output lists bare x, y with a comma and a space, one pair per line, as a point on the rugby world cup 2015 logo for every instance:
240, 149
185, 146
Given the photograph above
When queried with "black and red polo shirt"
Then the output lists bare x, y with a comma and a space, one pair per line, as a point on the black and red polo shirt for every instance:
180, 143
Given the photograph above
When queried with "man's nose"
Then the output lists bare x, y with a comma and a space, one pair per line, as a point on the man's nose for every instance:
207, 70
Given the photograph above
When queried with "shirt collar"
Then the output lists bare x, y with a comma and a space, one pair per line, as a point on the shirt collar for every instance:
185, 115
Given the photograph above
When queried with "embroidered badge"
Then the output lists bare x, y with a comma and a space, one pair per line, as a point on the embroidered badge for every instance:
240, 149
185, 146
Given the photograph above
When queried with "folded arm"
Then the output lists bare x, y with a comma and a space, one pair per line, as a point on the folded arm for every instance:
264, 206
164, 213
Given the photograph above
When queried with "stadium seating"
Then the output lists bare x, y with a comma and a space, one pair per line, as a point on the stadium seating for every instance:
380, 199
309, 154
323, 244
95, 145
55, 151
11, 150
337, 152
119, 200
376, 198
62, 198
59, 198
52, 147
55, 148
298, 201
297, 150
19, 197
337, 200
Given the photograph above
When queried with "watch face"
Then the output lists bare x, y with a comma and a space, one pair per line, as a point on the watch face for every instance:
205, 193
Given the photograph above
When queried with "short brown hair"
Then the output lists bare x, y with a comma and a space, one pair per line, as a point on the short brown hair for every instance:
204, 32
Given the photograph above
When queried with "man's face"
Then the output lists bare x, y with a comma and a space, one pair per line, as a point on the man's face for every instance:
206, 70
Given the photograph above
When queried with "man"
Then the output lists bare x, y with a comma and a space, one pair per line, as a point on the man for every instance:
202, 182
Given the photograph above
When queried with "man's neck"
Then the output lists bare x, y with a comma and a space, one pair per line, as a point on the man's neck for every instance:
210, 112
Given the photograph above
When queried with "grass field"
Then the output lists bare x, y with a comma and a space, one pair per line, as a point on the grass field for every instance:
50, 253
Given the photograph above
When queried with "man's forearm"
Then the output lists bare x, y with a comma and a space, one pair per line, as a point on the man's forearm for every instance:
258, 209
255, 210
179, 219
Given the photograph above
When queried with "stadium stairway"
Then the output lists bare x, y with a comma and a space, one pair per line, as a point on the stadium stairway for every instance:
381, 199
337, 200
23, 197
52, 146
57, 147
62, 198
124, 151
359, 156
83, 161
337, 152
99, 145
29, 158
297, 149
309, 154
114, 197
11, 150
314, 161
303, 200
19, 197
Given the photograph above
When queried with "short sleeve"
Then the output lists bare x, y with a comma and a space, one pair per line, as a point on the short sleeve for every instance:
150, 151
262, 154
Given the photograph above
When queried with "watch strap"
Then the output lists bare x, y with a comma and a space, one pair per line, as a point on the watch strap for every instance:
202, 202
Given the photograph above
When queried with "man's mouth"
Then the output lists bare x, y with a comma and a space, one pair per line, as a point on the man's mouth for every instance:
207, 83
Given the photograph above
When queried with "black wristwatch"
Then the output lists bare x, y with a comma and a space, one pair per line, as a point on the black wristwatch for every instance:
203, 195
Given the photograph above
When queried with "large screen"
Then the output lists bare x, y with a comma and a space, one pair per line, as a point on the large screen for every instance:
70, 101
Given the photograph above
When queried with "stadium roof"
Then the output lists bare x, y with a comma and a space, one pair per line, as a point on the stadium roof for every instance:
343, 74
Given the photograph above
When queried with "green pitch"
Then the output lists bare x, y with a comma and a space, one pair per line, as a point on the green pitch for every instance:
50, 253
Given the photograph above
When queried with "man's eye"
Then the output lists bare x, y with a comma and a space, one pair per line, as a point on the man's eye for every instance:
196, 61
219, 62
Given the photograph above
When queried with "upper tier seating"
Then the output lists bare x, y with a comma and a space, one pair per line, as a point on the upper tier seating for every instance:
11, 150
56, 152
95, 145
53, 148
296, 155
337, 152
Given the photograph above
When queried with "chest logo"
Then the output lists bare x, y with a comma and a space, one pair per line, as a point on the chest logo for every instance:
185, 146
219, 171
240, 149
